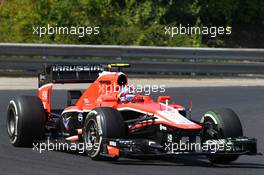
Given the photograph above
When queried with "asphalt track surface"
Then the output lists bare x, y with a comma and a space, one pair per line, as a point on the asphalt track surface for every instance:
248, 102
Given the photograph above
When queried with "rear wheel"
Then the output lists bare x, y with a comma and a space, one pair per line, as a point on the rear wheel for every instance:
221, 123
102, 123
25, 120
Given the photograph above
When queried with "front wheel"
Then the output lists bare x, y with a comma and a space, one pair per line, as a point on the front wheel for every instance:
221, 123
102, 123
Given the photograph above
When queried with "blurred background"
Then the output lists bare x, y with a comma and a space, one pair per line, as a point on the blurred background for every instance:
135, 22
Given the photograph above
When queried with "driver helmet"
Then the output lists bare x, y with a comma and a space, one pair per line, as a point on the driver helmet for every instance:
126, 94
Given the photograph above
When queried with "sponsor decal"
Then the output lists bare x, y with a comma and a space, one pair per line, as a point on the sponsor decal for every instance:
76, 68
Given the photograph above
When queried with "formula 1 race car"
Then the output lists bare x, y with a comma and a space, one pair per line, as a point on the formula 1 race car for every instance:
116, 121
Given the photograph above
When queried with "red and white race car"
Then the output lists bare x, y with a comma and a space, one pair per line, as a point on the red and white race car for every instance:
116, 121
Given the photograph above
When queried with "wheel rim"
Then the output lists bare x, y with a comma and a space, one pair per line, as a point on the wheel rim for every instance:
92, 133
92, 138
11, 123
209, 123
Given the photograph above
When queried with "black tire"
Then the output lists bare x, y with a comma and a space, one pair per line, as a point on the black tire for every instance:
112, 126
26, 119
227, 124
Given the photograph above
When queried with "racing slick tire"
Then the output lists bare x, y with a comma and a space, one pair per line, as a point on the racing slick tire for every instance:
102, 123
227, 124
25, 121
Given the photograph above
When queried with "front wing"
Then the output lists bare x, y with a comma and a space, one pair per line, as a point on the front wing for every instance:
140, 148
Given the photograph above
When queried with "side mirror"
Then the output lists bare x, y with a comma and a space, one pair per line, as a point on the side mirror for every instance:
163, 99
109, 99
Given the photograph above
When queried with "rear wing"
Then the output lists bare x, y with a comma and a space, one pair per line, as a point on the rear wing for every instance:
53, 74
69, 74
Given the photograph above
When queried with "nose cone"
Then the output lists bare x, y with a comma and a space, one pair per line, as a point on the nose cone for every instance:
173, 118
